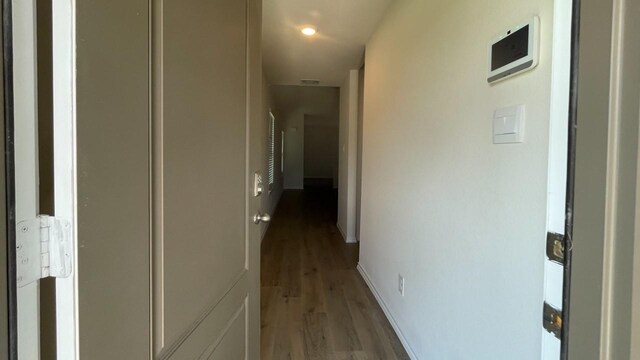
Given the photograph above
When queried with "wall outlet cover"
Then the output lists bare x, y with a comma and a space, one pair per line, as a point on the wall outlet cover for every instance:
401, 284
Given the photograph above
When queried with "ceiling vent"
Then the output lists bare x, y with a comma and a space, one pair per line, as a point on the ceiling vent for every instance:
310, 82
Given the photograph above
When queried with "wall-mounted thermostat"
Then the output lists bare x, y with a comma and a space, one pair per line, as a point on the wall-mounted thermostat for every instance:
514, 51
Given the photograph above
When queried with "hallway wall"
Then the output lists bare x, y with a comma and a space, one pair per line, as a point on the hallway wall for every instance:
292, 103
320, 148
293, 121
348, 156
463, 220
359, 152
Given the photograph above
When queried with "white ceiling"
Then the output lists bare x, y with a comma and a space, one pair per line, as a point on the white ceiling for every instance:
344, 26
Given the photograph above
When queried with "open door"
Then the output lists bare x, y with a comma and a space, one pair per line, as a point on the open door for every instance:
205, 262
154, 243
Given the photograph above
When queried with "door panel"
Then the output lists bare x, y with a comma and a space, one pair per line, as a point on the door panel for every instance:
229, 347
112, 135
200, 167
208, 333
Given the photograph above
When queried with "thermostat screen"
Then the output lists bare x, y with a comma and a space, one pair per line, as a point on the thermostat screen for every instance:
510, 49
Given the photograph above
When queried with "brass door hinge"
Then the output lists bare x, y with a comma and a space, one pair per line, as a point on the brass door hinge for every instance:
552, 320
555, 247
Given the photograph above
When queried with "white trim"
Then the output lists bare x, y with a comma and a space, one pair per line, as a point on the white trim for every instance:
25, 85
347, 239
64, 134
387, 313
158, 340
557, 164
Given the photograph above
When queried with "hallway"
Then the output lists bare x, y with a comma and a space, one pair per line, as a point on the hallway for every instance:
314, 304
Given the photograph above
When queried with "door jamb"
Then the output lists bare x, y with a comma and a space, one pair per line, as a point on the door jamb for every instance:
7, 34
571, 173
65, 184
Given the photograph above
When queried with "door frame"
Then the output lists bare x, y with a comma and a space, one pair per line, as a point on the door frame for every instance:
571, 174
11, 315
63, 38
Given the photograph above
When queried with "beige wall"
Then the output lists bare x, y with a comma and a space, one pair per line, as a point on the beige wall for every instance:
320, 148
291, 104
463, 220
113, 178
293, 124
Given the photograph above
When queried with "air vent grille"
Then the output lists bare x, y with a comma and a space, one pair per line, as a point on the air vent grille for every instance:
310, 82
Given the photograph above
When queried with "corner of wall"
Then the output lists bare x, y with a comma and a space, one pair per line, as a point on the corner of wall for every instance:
348, 156
387, 312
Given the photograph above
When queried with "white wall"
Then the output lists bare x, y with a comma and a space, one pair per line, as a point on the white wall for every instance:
348, 156
462, 219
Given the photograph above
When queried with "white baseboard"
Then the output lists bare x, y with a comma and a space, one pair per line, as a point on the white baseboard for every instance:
347, 239
387, 313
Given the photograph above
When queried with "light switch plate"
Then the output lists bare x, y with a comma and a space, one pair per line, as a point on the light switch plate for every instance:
508, 125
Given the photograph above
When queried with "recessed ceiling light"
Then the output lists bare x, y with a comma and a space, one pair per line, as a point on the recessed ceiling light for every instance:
309, 31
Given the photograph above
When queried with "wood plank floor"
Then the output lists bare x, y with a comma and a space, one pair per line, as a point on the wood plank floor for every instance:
314, 304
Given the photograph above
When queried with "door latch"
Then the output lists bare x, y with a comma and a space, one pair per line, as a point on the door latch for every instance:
43, 249
258, 188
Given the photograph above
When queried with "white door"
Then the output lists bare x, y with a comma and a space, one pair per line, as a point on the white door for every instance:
557, 178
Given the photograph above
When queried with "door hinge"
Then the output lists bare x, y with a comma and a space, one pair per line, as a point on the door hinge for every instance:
555, 247
43, 249
552, 320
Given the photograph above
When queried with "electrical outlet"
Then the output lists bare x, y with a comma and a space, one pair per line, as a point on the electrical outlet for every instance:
401, 284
